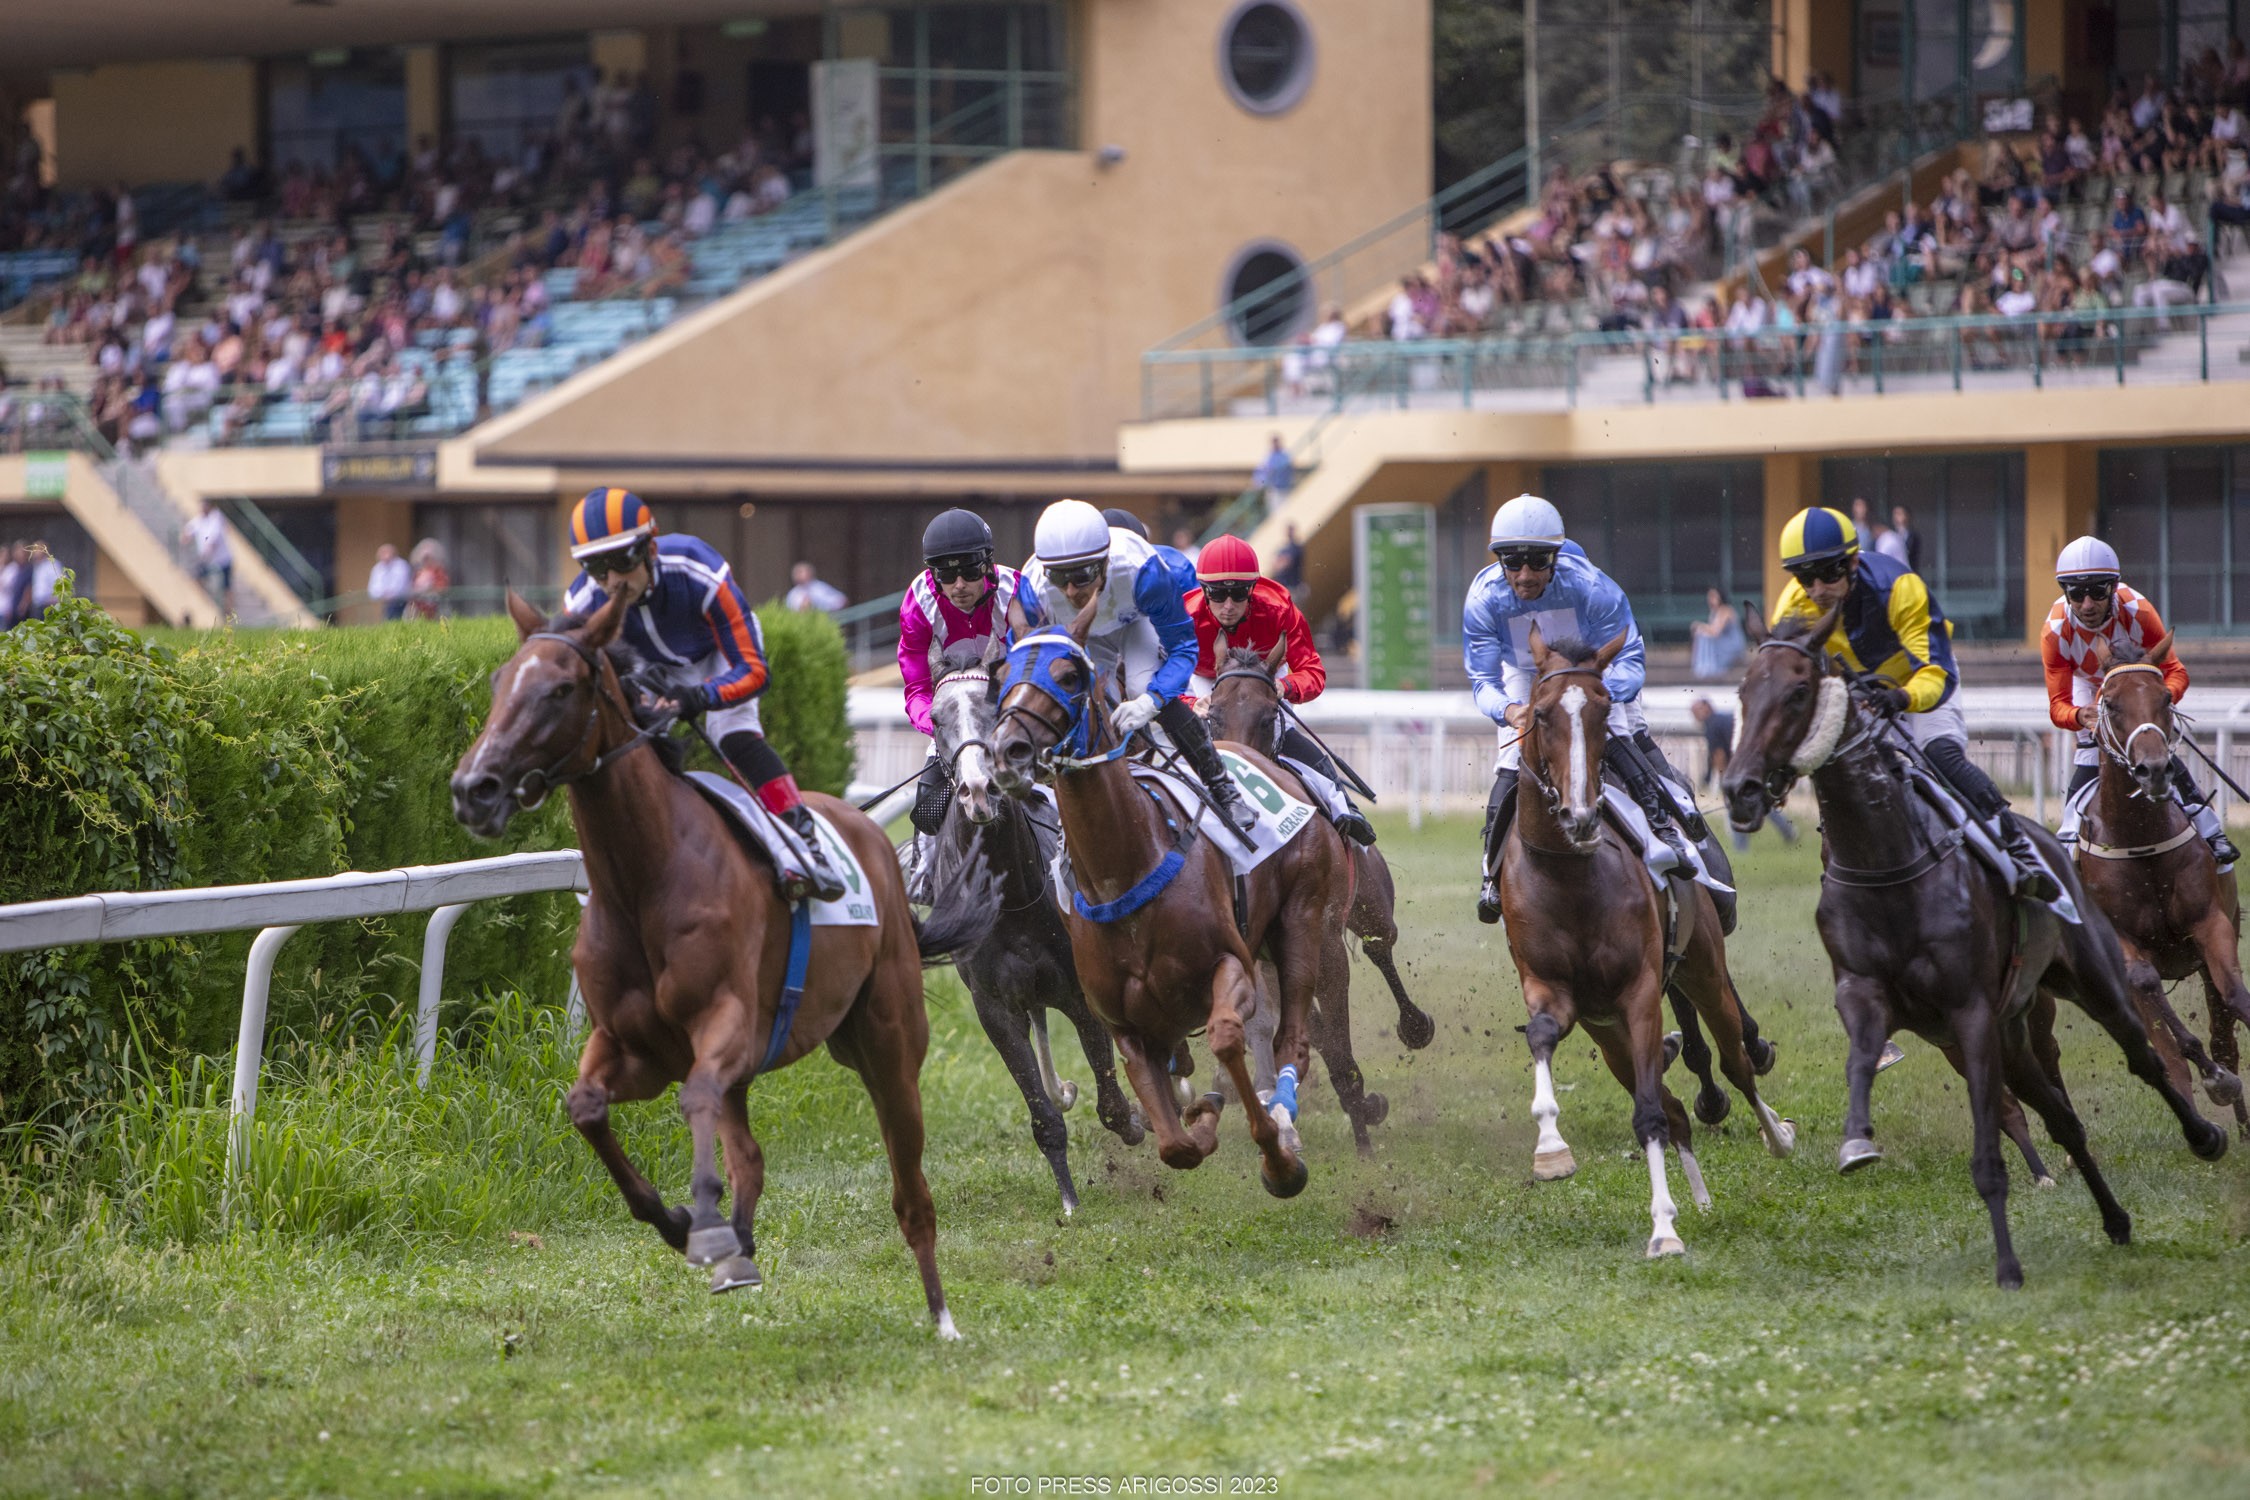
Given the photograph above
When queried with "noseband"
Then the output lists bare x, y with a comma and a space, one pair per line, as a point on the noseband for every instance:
1075, 731
533, 787
1818, 744
2119, 749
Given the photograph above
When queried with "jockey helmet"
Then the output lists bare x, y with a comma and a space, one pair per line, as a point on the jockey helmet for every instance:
956, 533
1817, 535
1125, 520
1526, 520
1070, 531
1227, 559
2087, 557
608, 519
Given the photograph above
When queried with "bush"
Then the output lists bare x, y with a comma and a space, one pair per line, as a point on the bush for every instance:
127, 763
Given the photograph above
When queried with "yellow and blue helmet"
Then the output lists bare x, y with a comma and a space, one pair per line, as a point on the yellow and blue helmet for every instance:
608, 519
1817, 535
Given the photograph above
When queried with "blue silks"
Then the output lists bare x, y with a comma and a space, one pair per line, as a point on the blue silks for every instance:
1147, 889
792, 983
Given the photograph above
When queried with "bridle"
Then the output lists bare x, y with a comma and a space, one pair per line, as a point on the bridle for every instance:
967, 742
533, 787
1539, 776
2120, 749
1809, 756
1077, 729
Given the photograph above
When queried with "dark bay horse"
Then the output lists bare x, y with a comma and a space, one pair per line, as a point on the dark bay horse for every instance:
1587, 935
682, 949
1245, 706
1023, 967
1153, 923
1922, 935
2139, 857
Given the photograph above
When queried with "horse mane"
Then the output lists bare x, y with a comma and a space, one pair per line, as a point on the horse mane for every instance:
1242, 656
1571, 649
625, 661
2127, 653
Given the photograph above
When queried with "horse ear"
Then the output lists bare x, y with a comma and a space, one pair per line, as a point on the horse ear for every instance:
1083, 626
1823, 628
1278, 655
603, 627
1539, 651
2098, 648
994, 652
527, 619
1608, 653
2162, 649
1753, 623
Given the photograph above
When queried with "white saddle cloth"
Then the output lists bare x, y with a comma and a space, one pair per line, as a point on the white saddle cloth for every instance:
856, 908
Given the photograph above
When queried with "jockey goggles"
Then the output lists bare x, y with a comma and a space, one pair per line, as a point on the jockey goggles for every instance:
1827, 570
2079, 590
1526, 559
1077, 574
1235, 592
616, 560
959, 569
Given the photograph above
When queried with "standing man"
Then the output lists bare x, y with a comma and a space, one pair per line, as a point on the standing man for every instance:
207, 541
390, 581
1276, 475
1718, 749
808, 593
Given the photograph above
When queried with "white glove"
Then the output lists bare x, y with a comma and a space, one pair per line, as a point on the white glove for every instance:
1133, 714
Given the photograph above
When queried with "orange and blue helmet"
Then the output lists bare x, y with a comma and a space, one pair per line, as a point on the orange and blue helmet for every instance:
608, 519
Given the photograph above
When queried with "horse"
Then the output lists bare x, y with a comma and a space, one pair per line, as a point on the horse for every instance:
1924, 936
2140, 860
1161, 948
1022, 968
1245, 706
1586, 932
683, 945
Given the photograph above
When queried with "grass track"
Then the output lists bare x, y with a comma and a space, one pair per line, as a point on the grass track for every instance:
1823, 1336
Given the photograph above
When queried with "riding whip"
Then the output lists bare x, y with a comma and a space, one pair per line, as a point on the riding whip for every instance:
1341, 764
2216, 769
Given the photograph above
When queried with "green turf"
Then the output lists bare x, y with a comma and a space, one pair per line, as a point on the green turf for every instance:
1426, 1322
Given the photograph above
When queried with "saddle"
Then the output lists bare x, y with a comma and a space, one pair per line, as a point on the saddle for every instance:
766, 837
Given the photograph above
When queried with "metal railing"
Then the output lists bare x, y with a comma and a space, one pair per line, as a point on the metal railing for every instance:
2183, 344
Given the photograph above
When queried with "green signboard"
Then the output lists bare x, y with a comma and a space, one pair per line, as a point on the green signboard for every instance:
1393, 551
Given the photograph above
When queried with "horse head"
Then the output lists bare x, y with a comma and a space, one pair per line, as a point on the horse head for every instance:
1793, 712
964, 707
546, 724
2133, 719
1568, 726
1050, 702
1245, 700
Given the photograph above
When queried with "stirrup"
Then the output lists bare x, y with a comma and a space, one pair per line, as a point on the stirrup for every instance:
1488, 901
1232, 810
825, 883
2223, 850
1353, 824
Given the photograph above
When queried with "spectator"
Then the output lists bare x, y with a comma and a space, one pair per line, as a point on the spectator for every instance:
1718, 749
808, 594
1717, 645
213, 550
390, 582
1184, 543
431, 581
1863, 521
1902, 541
1276, 475
42, 576
15, 583
1289, 562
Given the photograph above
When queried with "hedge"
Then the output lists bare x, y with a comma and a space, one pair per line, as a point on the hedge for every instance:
147, 762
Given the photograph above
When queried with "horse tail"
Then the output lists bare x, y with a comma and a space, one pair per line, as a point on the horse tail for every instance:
967, 908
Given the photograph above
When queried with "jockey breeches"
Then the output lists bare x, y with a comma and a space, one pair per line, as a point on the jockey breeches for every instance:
1293, 743
1951, 757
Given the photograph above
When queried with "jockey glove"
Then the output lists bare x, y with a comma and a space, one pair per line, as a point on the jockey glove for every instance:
1891, 701
694, 698
1134, 714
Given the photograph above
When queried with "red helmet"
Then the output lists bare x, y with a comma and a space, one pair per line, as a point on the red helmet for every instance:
1227, 558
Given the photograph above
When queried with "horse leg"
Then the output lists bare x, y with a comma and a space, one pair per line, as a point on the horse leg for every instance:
2031, 1083
1711, 1103
1110, 1104
1861, 1006
1637, 1059
1332, 1033
1981, 1052
2175, 1045
2225, 1051
1551, 1160
1705, 980
1005, 1026
1374, 922
2012, 1123
1179, 1145
606, 1073
1282, 1170
2097, 984
723, 1058
746, 1174
1061, 1090
2225, 1001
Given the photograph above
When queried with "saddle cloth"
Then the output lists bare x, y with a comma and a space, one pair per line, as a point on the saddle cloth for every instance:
1663, 861
1954, 815
1281, 817
780, 843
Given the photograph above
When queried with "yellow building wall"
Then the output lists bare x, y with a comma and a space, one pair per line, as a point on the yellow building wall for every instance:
153, 122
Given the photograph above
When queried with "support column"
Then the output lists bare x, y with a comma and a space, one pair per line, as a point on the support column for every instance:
1812, 36
1792, 483
425, 95
617, 52
2061, 487
114, 592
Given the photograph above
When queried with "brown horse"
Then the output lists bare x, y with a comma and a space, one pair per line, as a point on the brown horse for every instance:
1154, 925
2138, 855
682, 949
1587, 934
1245, 706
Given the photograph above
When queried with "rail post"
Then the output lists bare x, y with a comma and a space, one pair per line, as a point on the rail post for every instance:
250, 1048
434, 939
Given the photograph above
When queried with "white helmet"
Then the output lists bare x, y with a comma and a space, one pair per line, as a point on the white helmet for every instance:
1526, 519
1070, 531
2089, 556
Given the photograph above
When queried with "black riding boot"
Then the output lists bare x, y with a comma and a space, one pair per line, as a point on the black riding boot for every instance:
1192, 738
2197, 801
1683, 798
1302, 747
760, 765
1640, 780
1499, 812
1969, 782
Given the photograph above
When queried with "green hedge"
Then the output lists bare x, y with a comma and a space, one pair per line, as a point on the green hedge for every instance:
131, 762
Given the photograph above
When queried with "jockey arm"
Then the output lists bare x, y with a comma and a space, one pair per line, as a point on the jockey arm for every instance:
736, 640
1157, 593
1606, 615
1308, 677
914, 636
1484, 648
2061, 711
1927, 682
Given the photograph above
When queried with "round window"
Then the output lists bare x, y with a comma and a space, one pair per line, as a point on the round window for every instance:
1266, 55
1267, 298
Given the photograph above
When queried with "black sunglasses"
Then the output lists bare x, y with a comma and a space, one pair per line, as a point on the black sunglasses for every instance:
602, 564
2081, 590
1077, 575
1227, 593
1527, 559
1829, 571
955, 569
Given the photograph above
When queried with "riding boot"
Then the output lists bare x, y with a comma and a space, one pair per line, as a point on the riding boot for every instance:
1683, 797
827, 885
2197, 803
1294, 744
1192, 738
2032, 879
760, 767
1969, 783
1722, 870
1499, 812
1640, 782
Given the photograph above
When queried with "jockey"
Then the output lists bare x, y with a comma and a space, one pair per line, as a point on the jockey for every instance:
1140, 624
1238, 607
961, 597
2096, 603
1541, 578
1892, 630
699, 639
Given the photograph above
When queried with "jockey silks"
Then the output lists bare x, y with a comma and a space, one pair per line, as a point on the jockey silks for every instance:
929, 625
1140, 619
692, 611
1580, 600
1890, 626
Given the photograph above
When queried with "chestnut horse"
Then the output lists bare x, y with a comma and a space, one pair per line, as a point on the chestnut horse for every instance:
684, 942
1922, 935
1587, 935
1245, 706
2138, 855
1154, 925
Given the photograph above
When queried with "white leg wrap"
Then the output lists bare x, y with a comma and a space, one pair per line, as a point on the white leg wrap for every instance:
1692, 1170
1664, 1238
1544, 1109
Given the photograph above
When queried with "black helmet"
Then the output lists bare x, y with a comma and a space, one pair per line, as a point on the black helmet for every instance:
956, 533
1127, 520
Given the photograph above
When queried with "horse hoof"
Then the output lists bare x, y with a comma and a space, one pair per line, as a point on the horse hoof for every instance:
1067, 1095
1553, 1166
1415, 1028
2121, 1232
945, 1329
1374, 1109
1672, 1053
1661, 1245
2042, 1181
1184, 1091
2222, 1088
1712, 1105
2209, 1143
736, 1273
1762, 1055
1784, 1139
1291, 1142
707, 1247
2010, 1278
1857, 1154
1290, 1186
1893, 1055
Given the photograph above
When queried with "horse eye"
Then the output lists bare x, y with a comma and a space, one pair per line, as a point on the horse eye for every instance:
560, 689
1800, 692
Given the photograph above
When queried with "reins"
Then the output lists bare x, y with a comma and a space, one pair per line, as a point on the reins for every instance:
549, 777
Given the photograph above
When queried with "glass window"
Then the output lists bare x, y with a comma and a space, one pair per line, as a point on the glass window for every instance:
487, 546
317, 112
1266, 55
1464, 526
1667, 533
1285, 304
2179, 519
1965, 513
504, 95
